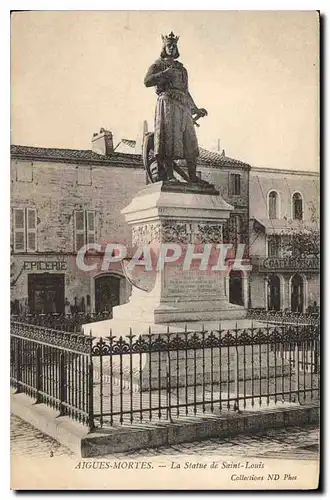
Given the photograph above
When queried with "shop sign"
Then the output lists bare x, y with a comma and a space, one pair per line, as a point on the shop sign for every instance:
44, 265
291, 263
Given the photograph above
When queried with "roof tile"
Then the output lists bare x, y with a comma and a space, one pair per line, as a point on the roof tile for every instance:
206, 157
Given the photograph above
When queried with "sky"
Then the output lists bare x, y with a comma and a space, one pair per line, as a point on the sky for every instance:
257, 74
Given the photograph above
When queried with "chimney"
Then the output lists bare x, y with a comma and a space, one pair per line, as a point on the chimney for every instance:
219, 145
223, 153
102, 142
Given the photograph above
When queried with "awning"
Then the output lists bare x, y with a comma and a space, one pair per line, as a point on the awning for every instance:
282, 226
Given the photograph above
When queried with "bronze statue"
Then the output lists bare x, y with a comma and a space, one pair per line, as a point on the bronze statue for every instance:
174, 137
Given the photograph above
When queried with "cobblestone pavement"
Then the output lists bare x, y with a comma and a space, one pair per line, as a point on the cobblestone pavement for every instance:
26, 440
295, 442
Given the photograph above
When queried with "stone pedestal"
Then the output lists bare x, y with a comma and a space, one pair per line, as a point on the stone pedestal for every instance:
165, 299
163, 214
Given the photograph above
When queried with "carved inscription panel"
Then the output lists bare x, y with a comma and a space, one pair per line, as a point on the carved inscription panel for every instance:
192, 284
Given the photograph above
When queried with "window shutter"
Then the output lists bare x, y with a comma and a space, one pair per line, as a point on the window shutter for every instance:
24, 171
297, 207
84, 175
31, 229
237, 184
19, 230
231, 184
272, 205
79, 228
90, 227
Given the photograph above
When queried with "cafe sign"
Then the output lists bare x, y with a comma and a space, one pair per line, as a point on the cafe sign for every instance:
44, 265
290, 263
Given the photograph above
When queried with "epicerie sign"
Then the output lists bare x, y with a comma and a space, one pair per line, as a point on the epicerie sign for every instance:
44, 265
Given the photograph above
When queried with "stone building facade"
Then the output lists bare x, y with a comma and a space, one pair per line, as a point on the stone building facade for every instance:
283, 204
231, 178
62, 199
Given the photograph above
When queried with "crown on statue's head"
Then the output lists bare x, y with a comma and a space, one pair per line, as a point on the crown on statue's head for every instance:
171, 38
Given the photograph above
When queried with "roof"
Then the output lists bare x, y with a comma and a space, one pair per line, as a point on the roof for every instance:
63, 155
259, 170
219, 160
73, 155
283, 226
205, 157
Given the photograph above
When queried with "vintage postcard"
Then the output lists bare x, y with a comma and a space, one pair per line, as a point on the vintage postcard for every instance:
165, 250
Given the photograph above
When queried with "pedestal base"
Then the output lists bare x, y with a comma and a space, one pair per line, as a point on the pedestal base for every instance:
151, 310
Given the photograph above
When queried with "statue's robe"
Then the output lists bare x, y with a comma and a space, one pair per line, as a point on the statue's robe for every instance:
174, 133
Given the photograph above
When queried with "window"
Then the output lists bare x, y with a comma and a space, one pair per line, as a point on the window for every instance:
272, 205
274, 245
31, 229
297, 207
84, 224
19, 230
25, 229
84, 176
235, 184
90, 227
24, 172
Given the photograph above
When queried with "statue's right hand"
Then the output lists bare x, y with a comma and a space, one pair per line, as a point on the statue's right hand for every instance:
169, 73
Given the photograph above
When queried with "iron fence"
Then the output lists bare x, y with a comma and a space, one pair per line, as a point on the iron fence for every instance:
63, 322
142, 378
186, 373
54, 368
288, 317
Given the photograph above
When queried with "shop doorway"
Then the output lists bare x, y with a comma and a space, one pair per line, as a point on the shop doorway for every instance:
274, 293
297, 294
236, 288
107, 290
46, 293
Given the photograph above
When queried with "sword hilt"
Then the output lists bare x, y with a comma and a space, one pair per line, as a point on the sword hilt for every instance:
197, 117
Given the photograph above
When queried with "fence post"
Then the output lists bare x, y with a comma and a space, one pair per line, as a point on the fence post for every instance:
168, 394
90, 386
18, 365
91, 424
296, 366
38, 373
63, 384
236, 372
316, 356
168, 378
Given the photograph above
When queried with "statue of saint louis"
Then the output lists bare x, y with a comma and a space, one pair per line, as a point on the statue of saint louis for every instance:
176, 112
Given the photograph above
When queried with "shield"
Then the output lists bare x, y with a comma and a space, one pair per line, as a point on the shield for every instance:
154, 171
138, 277
148, 157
